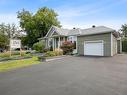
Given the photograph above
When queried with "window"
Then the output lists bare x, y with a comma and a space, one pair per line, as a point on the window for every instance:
70, 38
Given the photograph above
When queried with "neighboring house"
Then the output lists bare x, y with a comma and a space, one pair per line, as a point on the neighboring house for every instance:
96, 41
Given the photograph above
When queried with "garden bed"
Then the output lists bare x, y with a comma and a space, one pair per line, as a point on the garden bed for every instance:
45, 59
49, 55
14, 58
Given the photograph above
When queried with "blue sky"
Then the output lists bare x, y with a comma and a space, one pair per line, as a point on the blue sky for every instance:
72, 13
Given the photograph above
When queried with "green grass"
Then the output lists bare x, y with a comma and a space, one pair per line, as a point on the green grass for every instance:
5, 66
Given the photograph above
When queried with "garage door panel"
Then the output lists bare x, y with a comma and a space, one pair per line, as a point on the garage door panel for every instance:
93, 48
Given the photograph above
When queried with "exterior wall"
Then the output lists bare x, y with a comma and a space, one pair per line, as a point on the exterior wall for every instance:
105, 37
114, 39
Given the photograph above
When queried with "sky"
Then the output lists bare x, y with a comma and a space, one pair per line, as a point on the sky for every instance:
72, 13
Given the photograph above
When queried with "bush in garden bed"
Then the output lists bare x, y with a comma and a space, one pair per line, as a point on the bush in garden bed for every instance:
41, 58
13, 53
50, 54
124, 44
53, 53
39, 46
7, 54
4, 55
67, 47
46, 49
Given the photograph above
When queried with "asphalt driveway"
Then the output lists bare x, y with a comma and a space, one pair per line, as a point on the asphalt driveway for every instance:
69, 76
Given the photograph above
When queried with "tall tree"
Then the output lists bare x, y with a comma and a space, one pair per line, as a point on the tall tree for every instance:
37, 25
7, 31
4, 41
10, 30
124, 30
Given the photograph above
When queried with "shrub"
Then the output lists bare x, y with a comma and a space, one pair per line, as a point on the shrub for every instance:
67, 47
46, 49
6, 54
13, 53
58, 52
41, 58
53, 53
23, 53
124, 44
50, 54
39, 46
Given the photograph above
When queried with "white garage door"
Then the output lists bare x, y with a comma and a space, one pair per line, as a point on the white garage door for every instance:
93, 48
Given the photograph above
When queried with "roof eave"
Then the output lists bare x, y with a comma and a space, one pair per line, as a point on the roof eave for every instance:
96, 33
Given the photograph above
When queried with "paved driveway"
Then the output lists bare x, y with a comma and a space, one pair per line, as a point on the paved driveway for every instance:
69, 76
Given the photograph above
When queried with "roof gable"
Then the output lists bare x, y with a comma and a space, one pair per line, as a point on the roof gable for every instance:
54, 33
50, 32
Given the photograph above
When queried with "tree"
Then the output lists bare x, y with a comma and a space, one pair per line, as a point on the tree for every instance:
124, 39
7, 31
37, 25
124, 30
124, 44
10, 30
4, 41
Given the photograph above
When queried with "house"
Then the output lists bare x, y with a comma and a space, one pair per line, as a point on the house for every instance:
95, 41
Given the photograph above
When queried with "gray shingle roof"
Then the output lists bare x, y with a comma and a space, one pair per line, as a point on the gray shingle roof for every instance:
96, 30
77, 31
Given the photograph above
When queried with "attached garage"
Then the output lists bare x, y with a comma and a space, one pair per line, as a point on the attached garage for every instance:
93, 48
101, 44
95, 45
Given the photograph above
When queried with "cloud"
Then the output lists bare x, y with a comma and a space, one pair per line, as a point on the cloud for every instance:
112, 23
77, 16
83, 10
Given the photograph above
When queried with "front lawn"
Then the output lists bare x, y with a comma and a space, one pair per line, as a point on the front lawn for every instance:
5, 66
